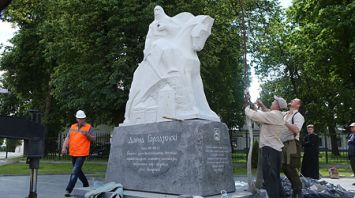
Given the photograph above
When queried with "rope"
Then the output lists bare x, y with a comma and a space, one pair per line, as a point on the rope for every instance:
251, 183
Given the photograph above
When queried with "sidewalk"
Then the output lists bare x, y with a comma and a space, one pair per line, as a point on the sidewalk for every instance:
10, 157
53, 186
345, 182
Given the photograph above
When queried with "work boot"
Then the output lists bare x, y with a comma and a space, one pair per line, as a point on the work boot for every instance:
67, 194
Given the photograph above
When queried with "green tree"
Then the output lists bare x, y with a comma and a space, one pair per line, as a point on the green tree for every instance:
73, 54
107, 39
27, 71
313, 58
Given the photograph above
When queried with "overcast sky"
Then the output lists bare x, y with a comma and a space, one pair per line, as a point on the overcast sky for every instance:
285, 3
7, 31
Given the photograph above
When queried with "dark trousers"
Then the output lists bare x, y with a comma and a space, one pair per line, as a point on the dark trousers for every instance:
259, 171
271, 163
291, 163
76, 173
352, 163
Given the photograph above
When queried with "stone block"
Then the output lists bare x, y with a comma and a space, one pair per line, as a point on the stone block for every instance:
177, 157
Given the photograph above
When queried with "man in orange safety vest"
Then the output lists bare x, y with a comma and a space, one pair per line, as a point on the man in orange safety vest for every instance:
78, 140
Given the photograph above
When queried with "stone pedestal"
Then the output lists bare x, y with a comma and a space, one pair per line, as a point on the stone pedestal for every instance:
178, 157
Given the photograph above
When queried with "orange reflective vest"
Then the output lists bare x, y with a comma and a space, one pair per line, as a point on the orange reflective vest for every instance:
79, 144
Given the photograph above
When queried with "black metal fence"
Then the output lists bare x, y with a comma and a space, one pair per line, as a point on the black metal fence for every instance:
241, 144
99, 149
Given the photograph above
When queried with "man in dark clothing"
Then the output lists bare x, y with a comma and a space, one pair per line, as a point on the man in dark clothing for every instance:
351, 148
310, 162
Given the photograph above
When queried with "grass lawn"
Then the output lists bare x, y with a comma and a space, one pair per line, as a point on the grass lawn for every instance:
63, 167
341, 162
98, 167
342, 172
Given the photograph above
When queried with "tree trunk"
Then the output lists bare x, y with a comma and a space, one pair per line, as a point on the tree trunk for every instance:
46, 123
230, 132
333, 139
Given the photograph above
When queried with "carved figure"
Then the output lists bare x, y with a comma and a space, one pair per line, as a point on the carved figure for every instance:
167, 83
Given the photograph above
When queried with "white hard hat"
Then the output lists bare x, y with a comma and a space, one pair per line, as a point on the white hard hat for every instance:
80, 114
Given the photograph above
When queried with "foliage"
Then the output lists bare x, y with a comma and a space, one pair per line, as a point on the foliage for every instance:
255, 155
27, 71
74, 54
311, 56
12, 143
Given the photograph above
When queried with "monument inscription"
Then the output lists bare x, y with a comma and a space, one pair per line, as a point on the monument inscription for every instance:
151, 154
217, 157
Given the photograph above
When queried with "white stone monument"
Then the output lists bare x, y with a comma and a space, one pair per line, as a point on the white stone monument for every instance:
167, 84
189, 157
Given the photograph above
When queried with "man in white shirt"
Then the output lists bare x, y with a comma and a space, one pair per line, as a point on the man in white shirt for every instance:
272, 124
291, 153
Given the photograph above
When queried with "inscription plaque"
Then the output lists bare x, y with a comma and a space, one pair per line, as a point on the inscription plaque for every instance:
151, 154
217, 157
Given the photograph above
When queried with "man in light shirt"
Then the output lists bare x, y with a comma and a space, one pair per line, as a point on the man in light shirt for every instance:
291, 153
272, 124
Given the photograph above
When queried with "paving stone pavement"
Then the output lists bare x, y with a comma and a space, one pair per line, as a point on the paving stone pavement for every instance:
10, 156
48, 186
52, 186
345, 182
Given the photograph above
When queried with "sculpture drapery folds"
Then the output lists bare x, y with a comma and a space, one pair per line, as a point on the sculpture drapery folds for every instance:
167, 84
